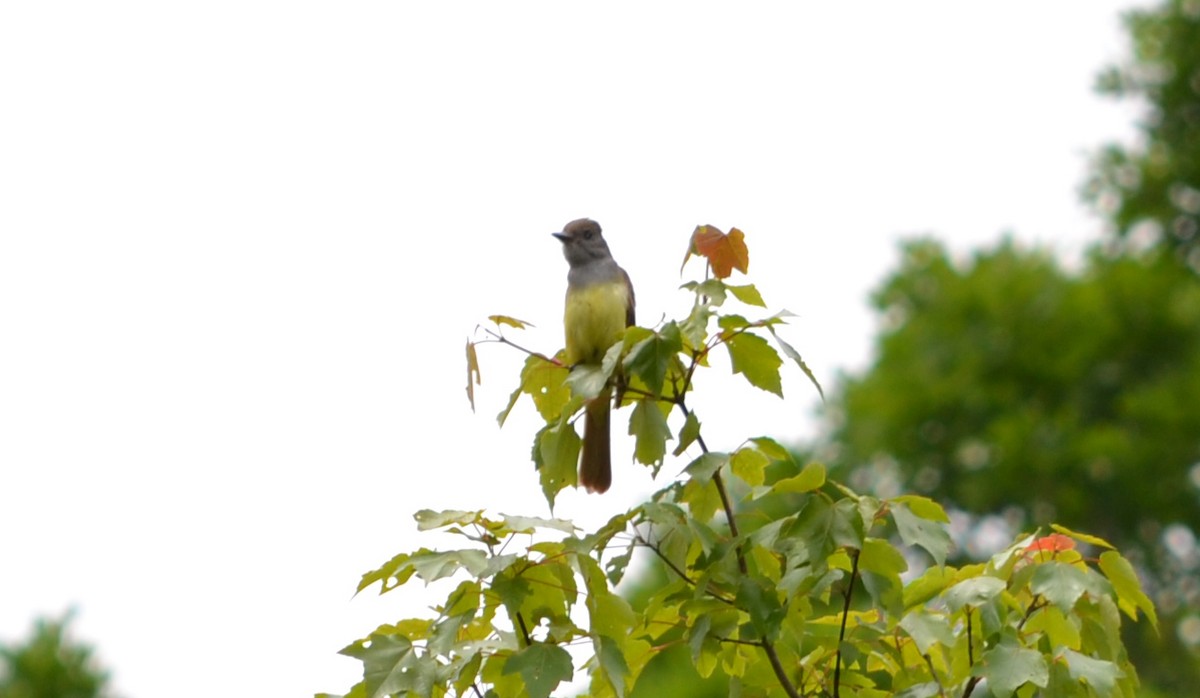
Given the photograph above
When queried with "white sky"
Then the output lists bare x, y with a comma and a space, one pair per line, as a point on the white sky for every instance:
242, 244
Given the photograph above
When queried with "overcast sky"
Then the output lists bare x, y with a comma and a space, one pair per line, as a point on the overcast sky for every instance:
242, 245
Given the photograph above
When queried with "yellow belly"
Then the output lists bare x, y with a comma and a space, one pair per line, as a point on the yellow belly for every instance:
594, 319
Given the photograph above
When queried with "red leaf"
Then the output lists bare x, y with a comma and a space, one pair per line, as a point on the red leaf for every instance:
1053, 543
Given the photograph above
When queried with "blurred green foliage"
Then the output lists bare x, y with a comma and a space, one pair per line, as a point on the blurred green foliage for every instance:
1006, 385
1152, 190
49, 664
1007, 380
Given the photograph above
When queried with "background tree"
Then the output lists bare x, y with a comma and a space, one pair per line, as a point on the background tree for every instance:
1154, 187
1023, 393
51, 665
1010, 387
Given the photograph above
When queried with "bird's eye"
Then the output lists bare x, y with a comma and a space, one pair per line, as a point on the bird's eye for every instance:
587, 235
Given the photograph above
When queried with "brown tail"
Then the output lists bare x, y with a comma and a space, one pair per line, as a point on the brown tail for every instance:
595, 467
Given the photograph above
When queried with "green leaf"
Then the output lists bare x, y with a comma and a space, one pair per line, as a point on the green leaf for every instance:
650, 358
714, 290
1130, 596
810, 478
390, 575
528, 524
1061, 584
612, 663
542, 667
931, 583
880, 557
747, 294
427, 519
973, 592
880, 566
467, 674
558, 455
702, 499
914, 530
928, 629
586, 381
1007, 668
733, 321
750, 465
752, 357
1059, 628
821, 527
688, 434
648, 426
1101, 675
432, 565
760, 600
389, 664
772, 448
702, 468
794, 355
923, 507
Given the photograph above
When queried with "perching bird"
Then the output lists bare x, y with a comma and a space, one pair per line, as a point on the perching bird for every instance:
599, 307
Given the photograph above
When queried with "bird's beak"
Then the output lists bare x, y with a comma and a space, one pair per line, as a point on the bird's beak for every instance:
561, 236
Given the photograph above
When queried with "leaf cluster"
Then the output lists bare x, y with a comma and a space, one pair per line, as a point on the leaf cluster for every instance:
787, 582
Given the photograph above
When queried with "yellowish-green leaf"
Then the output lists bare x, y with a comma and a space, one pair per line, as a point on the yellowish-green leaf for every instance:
747, 294
1093, 540
688, 434
474, 378
502, 320
1130, 596
923, 507
750, 464
809, 479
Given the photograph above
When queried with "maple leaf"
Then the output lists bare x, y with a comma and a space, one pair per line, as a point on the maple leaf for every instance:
724, 252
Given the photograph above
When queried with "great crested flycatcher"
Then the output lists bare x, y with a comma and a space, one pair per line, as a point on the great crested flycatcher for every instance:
599, 307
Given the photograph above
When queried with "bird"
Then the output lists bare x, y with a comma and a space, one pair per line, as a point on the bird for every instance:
599, 306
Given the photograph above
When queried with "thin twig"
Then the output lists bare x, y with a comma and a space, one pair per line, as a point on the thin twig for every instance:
970, 640
497, 337
837, 666
933, 673
970, 657
680, 573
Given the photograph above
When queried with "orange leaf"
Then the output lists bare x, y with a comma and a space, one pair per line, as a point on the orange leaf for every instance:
724, 252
